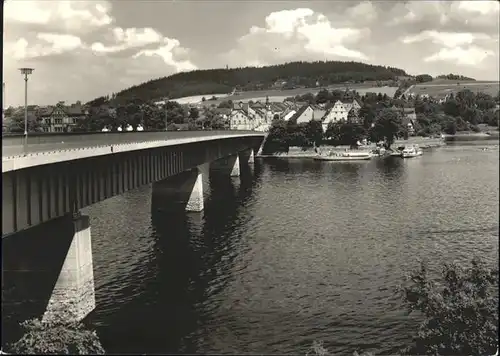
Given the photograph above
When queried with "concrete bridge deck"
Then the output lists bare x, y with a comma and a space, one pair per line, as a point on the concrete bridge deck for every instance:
15, 157
13, 145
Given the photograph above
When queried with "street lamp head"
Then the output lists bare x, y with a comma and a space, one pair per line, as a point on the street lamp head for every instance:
26, 70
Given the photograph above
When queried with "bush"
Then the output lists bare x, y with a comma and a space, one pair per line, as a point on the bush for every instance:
460, 313
475, 128
318, 350
56, 338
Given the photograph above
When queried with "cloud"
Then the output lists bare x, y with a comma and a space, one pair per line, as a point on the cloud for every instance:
480, 6
65, 15
447, 39
129, 38
79, 53
452, 16
472, 56
51, 44
297, 34
166, 53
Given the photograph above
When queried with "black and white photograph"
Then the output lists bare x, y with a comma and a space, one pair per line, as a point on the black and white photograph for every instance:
250, 177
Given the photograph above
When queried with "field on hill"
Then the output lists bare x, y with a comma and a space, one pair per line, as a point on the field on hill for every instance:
280, 95
442, 87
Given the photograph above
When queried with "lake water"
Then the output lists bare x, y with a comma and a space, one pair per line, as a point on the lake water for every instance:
294, 252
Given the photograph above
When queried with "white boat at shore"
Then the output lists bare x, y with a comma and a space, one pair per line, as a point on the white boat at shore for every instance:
411, 151
345, 156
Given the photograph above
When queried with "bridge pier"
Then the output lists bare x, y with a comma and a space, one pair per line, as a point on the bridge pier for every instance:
227, 165
247, 156
251, 159
73, 296
48, 270
182, 191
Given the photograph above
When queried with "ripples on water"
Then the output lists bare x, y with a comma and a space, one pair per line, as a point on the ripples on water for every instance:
299, 251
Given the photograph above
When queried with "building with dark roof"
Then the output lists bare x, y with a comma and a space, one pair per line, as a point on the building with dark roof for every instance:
61, 118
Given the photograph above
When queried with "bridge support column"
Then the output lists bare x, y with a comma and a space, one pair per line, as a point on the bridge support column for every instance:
247, 155
230, 164
73, 296
251, 159
182, 191
195, 202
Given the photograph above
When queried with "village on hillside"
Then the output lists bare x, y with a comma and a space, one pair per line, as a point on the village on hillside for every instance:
230, 115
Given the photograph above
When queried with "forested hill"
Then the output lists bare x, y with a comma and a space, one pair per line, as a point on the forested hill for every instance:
295, 74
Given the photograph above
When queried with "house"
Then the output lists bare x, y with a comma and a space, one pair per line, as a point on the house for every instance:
318, 112
289, 115
340, 111
61, 118
242, 117
409, 119
304, 114
351, 104
225, 115
408, 123
279, 109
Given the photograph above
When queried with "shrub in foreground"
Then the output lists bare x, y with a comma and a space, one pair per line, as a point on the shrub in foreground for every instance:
460, 312
56, 338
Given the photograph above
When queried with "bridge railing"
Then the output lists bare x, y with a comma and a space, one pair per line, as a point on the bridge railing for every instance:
13, 145
111, 146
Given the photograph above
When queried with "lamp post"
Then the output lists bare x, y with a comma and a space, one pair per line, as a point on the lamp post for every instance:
26, 72
166, 113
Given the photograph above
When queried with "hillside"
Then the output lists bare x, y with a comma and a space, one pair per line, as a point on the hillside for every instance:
283, 76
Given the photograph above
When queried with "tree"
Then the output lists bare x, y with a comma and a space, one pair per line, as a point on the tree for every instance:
90, 123
194, 113
16, 122
336, 95
226, 104
323, 96
154, 117
314, 132
367, 115
297, 135
388, 126
333, 132
485, 101
422, 78
472, 116
176, 113
351, 133
460, 313
277, 140
451, 107
56, 338
491, 117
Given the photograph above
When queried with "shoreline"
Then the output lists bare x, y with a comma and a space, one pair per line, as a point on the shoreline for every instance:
297, 153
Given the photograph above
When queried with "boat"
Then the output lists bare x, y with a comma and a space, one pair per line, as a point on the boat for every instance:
411, 151
345, 156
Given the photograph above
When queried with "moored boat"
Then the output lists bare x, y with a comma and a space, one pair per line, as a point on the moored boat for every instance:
345, 156
411, 151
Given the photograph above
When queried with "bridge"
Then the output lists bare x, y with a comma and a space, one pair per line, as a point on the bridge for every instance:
51, 178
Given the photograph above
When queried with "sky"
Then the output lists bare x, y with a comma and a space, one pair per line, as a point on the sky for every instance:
84, 49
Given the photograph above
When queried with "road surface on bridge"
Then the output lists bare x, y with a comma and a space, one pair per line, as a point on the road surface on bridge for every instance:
13, 145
